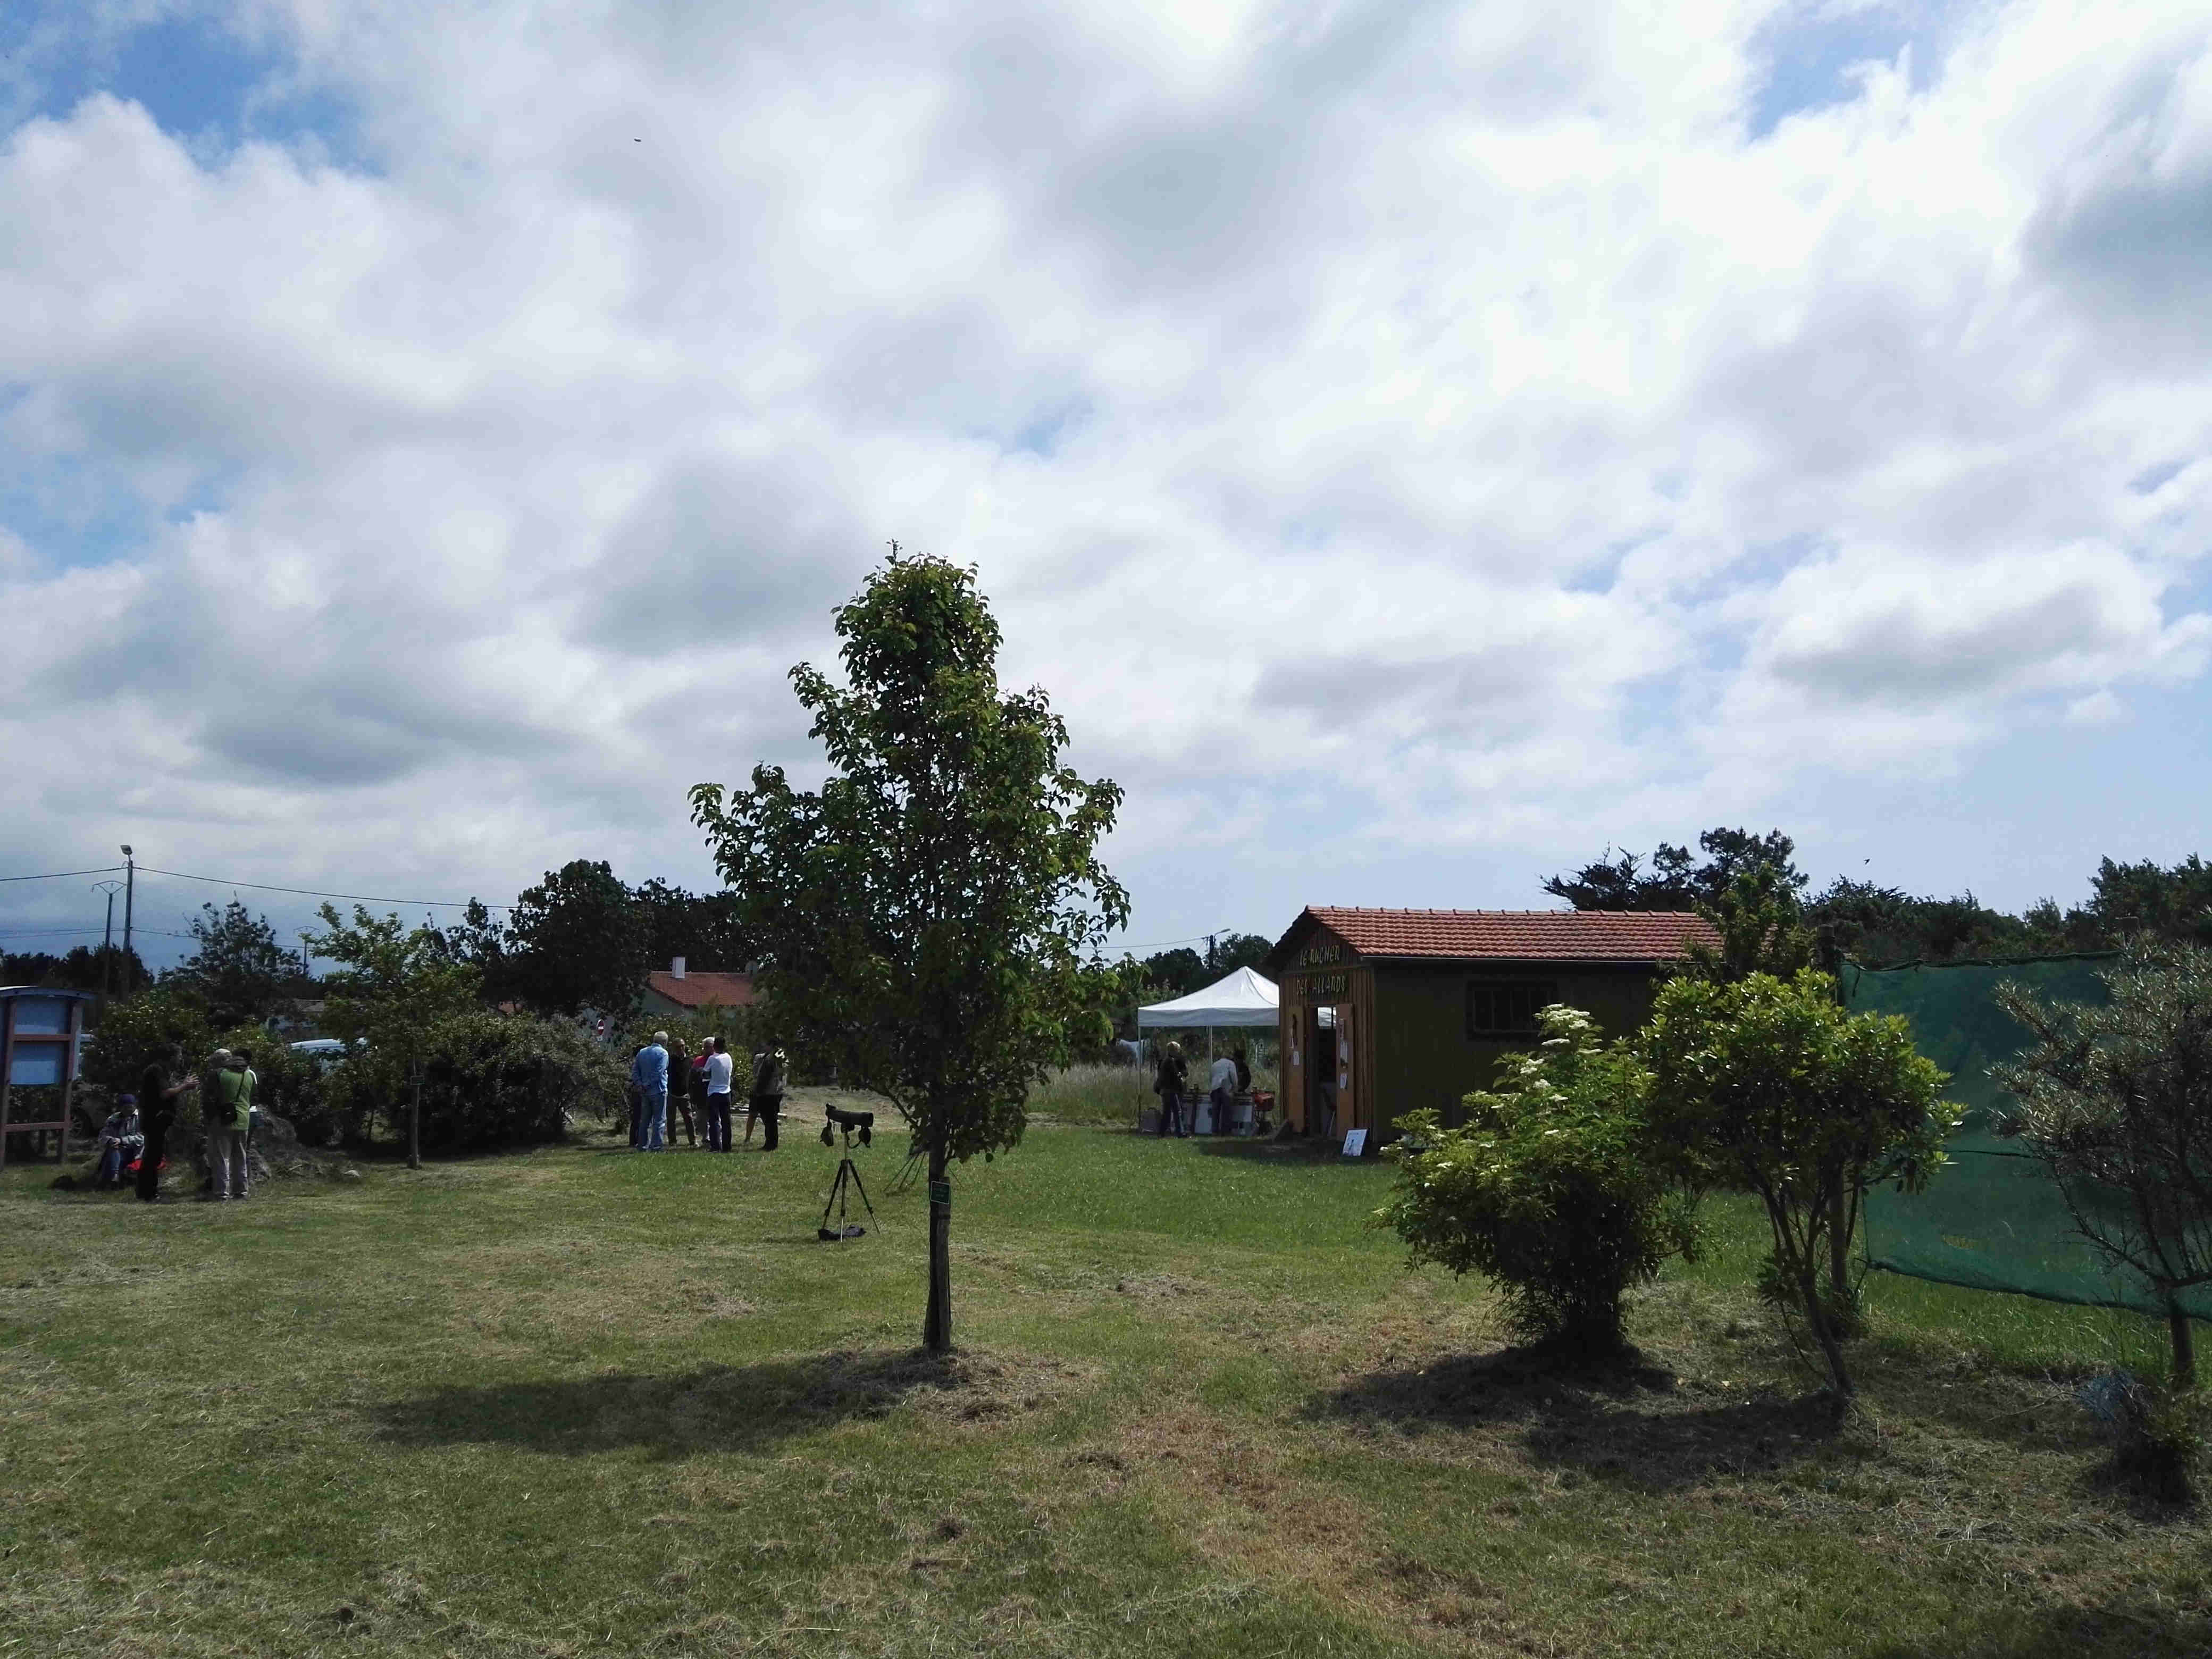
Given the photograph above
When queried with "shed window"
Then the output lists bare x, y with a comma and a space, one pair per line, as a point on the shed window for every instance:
1507, 1007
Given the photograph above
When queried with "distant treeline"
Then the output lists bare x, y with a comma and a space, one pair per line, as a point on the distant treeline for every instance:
1867, 923
78, 970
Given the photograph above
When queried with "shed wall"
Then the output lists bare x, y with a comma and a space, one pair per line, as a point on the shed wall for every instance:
1423, 1055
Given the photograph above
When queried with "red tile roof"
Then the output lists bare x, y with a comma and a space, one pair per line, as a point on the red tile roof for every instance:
697, 990
1516, 935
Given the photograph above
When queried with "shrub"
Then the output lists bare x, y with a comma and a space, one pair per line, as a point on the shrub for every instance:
506, 1080
1549, 1189
489, 1079
137, 1032
2116, 1101
1770, 1084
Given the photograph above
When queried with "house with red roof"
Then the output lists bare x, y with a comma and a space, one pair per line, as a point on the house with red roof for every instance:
683, 991
1383, 1011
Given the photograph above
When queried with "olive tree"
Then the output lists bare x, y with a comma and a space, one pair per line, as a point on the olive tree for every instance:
1770, 1085
2117, 1103
926, 915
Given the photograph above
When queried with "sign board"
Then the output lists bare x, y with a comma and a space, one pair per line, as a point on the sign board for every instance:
940, 1192
1355, 1142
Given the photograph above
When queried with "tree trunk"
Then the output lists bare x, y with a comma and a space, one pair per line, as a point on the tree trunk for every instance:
1824, 1331
415, 1123
1839, 1243
1843, 1206
937, 1324
2184, 1346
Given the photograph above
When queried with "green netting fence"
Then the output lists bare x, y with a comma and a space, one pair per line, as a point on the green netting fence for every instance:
1989, 1219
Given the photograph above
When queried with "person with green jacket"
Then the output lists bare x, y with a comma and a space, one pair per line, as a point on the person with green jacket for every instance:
229, 1115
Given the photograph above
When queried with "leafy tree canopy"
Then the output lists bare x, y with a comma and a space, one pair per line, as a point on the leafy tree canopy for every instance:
240, 969
391, 985
1769, 1085
576, 941
927, 915
1673, 880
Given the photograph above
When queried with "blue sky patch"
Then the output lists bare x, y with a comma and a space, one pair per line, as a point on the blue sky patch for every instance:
202, 81
1810, 52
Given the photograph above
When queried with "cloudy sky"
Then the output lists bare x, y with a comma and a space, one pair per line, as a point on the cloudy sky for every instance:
1417, 444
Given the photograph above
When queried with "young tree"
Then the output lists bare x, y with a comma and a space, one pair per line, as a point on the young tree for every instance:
2117, 1103
1552, 1187
392, 987
925, 917
240, 968
1760, 923
1772, 1085
576, 940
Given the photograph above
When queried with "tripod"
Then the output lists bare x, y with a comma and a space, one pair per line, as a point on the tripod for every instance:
847, 1171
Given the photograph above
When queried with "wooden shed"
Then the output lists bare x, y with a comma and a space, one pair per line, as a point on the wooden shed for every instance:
1384, 1011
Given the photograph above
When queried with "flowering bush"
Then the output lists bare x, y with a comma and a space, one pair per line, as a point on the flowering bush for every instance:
1548, 1188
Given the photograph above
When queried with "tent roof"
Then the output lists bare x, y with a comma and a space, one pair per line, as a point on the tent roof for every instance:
1242, 998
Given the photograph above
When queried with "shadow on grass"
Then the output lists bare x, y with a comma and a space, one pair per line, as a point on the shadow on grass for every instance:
2160, 1633
724, 1408
1301, 1149
1622, 1419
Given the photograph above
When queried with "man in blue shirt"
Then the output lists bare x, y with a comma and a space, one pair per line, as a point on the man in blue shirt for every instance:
649, 1071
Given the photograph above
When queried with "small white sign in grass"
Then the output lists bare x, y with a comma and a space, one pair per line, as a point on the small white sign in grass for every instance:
1355, 1142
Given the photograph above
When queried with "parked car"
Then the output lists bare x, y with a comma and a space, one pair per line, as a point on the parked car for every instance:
326, 1052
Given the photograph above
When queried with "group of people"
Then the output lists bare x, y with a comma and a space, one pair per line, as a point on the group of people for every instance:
139, 1126
661, 1077
1230, 1077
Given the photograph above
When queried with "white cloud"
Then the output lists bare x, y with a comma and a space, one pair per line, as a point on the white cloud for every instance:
1426, 426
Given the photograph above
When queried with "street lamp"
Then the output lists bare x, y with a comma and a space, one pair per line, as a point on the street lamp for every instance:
129, 892
107, 943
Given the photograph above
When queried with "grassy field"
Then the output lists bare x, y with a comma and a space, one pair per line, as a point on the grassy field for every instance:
582, 1402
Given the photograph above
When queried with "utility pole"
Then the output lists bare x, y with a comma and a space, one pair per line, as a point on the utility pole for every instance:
106, 943
129, 892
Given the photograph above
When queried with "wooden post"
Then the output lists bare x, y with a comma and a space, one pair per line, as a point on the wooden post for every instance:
415, 1121
69, 1078
6, 1069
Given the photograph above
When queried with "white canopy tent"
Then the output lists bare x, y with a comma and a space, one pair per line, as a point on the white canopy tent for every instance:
1242, 998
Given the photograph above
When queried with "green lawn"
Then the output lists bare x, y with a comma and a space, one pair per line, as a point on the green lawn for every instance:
579, 1401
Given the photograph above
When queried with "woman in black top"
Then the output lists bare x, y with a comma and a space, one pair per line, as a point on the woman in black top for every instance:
1170, 1082
157, 1110
766, 1100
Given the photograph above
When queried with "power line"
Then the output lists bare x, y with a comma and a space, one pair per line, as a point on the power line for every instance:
316, 892
1150, 944
58, 875
28, 933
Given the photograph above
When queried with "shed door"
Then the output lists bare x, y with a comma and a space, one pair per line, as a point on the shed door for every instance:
1351, 1110
1291, 1093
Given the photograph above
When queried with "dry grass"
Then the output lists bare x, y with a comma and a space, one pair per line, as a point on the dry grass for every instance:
628, 1405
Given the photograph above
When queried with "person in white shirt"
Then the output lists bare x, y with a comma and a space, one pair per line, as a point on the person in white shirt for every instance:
1221, 1089
717, 1126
